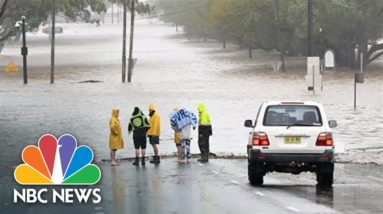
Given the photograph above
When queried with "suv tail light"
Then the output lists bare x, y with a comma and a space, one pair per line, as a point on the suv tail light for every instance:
325, 139
260, 139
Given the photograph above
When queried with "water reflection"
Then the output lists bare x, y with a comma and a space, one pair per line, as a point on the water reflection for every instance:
139, 192
324, 195
118, 190
318, 194
156, 187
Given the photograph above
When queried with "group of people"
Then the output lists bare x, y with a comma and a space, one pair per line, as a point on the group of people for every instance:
182, 121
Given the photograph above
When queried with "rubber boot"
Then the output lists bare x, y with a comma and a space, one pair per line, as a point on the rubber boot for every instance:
136, 162
204, 158
153, 159
143, 161
156, 160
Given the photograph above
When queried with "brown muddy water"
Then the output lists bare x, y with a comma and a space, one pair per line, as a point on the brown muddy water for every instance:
170, 72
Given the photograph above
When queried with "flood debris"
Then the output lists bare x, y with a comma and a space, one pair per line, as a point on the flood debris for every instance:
90, 81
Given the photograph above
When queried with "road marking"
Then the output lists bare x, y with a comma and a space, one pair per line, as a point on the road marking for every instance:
215, 172
293, 209
259, 193
375, 178
234, 182
98, 208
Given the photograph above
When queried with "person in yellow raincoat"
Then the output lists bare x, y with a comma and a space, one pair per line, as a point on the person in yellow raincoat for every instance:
154, 132
204, 132
177, 141
115, 137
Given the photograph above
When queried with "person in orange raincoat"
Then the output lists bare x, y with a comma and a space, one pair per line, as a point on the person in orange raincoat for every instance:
115, 137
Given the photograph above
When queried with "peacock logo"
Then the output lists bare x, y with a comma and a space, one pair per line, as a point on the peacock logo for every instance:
57, 162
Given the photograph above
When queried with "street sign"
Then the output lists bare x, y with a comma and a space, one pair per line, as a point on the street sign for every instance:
329, 59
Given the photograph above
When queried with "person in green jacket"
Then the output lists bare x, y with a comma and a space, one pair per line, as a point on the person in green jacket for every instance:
139, 124
204, 132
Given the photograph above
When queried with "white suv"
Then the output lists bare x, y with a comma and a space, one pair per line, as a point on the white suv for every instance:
291, 137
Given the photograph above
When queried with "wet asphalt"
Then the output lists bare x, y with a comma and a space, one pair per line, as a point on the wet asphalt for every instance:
219, 186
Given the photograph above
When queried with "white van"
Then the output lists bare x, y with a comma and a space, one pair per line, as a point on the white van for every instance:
291, 137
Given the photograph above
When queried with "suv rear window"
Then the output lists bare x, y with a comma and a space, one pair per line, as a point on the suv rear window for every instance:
292, 115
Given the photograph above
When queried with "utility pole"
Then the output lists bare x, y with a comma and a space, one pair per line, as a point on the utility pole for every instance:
118, 14
112, 13
53, 33
355, 90
130, 65
309, 27
124, 43
24, 51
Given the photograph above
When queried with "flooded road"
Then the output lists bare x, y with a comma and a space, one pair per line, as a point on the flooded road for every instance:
171, 71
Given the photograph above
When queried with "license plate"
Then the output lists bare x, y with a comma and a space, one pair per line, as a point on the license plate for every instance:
292, 140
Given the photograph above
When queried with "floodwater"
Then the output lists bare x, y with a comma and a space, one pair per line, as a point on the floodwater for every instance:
170, 72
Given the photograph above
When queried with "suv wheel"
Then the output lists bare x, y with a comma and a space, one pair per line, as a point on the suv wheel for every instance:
255, 173
325, 174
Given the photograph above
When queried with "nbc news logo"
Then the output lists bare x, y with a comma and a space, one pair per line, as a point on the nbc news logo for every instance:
57, 162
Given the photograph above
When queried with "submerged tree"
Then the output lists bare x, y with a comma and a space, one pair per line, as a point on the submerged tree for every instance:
348, 27
38, 11
352, 28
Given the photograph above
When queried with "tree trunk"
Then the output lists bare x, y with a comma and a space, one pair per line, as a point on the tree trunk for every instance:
3, 7
130, 62
2, 43
346, 56
279, 36
283, 61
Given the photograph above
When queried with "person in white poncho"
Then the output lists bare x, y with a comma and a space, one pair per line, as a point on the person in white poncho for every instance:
182, 121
